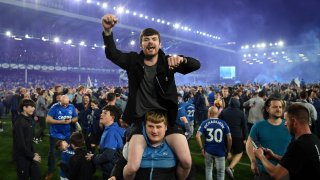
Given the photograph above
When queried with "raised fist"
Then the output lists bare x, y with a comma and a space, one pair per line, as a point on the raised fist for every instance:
108, 21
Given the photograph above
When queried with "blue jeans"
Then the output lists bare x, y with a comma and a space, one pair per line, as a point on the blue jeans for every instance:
219, 163
52, 154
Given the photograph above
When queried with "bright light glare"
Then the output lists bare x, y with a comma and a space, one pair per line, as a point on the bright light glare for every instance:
69, 41
44, 39
132, 43
176, 26
8, 33
120, 10
104, 5
280, 43
56, 40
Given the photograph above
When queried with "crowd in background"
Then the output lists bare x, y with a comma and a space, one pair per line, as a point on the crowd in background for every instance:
87, 100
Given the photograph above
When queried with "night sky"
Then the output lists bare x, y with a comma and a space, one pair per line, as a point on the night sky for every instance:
243, 21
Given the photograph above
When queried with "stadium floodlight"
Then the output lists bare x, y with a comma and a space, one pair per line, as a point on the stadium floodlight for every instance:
44, 39
104, 5
280, 43
168, 23
89, 1
140, 15
134, 13
127, 11
27, 36
246, 46
270, 44
8, 33
69, 41
146, 17
152, 19
176, 26
120, 10
98, 3
56, 40
163, 21
132, 42
263, 45
82, 43
158, 20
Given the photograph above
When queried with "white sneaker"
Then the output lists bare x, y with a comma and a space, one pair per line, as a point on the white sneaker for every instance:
35, 140
229, 172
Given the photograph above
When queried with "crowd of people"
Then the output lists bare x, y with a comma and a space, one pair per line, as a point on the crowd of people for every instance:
89, 106
143, 130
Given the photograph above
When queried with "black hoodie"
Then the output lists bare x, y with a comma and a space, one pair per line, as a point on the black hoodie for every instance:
235, 118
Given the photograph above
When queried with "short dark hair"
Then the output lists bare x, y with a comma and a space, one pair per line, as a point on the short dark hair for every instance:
77, 139
300, 112
26, 103
114, 111
111, 96
95, 101
149, 32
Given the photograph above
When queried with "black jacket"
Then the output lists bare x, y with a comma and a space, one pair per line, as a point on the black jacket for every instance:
79, 168
164, 81
22, 139
235, 118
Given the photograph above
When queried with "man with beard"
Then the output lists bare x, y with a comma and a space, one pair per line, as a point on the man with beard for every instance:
301, 159
271, 133
151, 86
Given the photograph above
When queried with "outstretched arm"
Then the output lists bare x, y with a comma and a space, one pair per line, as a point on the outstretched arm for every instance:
183, 65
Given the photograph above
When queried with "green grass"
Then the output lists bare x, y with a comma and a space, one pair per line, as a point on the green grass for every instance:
7, 168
